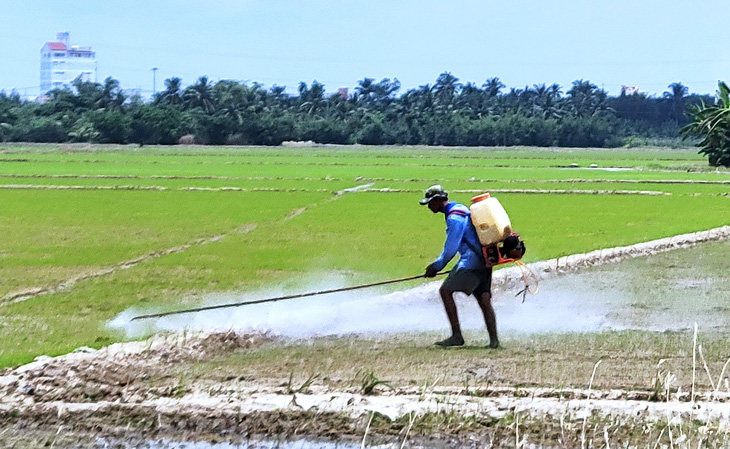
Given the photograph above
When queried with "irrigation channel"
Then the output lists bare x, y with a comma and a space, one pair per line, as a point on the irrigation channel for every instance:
670, 291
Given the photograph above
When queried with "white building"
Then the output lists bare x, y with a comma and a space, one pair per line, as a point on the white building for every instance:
62, 63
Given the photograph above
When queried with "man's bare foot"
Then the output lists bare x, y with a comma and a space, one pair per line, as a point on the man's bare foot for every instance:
454, 340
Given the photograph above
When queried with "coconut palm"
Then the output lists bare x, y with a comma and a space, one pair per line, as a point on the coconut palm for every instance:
200, 95
586, 99
446, 88
87, 96
676, 99
232, 101
545, 100
112, 98
311, 99
492, 86
364, 90
277, 99
172, 92
712, 124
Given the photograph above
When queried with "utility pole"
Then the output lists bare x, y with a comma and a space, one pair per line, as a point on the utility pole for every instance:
154, 81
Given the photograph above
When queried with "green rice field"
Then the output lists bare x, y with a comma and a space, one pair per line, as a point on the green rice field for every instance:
97, 230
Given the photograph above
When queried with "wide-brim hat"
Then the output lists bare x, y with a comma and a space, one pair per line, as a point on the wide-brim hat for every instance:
435, 191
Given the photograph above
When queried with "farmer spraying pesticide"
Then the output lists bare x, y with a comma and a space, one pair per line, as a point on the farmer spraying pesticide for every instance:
481, 235
478, 252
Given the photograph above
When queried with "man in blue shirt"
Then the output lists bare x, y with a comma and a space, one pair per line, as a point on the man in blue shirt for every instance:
470, 275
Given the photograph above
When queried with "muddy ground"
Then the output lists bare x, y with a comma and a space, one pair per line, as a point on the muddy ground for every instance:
135, 392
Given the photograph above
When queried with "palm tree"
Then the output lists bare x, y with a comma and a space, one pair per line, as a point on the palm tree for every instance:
545, 100
384, 91
446, 88
112, 98
418, 100
364, 91
200, 95
712, 124
172, 92
492, 86
231, 98
88, 94
311, 99
277, 98
586, 99
471, 100
676, 99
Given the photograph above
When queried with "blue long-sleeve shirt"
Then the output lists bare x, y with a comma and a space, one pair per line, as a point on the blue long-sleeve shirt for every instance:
461, 237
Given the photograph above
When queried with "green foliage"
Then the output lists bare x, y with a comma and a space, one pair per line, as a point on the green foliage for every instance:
303, 388
367, 381
447, 113
83, 130
43, 129
712, 124
157, 125
111, 126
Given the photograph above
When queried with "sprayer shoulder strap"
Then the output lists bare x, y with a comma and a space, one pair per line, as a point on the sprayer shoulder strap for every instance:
465, 214
457, 212
456, 209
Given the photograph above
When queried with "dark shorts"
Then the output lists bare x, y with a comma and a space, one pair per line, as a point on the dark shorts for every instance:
475, 282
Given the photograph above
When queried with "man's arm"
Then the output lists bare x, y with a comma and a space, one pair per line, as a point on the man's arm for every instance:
455, 227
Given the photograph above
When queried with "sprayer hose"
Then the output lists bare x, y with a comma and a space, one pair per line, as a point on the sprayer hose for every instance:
281, 298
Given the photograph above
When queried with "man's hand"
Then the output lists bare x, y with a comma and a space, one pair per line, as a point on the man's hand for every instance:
431, 271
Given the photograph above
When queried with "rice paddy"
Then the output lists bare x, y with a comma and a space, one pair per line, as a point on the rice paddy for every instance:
250, 218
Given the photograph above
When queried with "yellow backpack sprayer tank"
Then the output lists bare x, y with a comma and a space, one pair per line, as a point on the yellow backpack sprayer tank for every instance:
500, 244
490, 219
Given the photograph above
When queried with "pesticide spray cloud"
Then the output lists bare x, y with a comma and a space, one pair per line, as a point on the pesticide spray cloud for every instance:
416, 309
667, 292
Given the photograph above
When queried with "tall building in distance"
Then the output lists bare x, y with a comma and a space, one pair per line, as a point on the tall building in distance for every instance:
61, 63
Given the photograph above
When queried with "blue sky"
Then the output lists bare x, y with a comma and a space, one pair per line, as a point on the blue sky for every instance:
649, 43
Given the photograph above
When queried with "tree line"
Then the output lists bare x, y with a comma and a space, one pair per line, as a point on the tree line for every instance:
446, 112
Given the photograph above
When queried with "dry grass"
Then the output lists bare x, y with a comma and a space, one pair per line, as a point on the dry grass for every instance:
629, 361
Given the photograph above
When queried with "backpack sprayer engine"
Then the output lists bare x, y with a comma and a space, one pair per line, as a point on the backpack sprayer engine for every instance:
500, 244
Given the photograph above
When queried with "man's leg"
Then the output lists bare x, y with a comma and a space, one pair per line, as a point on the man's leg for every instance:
490, 319
456, 339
